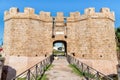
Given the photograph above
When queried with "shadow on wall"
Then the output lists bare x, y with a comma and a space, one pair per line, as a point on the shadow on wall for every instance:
8, 73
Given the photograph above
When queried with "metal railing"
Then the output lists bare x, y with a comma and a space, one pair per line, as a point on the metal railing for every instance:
88, 72
36, 71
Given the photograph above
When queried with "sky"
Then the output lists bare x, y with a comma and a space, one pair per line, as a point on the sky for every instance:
58, 44
54, 6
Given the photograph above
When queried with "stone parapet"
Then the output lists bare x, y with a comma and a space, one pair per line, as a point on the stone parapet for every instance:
45, 16
59, 19
90, 13
28, 13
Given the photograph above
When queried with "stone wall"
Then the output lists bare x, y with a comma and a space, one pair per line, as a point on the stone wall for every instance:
90, 36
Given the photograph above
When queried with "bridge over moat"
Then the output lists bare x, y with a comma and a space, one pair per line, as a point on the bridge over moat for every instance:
29, 37
60, 70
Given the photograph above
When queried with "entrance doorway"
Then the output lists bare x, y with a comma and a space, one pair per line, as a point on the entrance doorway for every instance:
59, 48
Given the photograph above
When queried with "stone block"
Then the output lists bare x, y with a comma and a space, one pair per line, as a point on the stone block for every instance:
60, 14
90, 11
29, 10
105, 10
13, 10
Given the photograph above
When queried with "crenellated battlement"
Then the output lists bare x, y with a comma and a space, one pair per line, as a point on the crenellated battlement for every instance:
29, 13
45, 16
90, 13
59, 17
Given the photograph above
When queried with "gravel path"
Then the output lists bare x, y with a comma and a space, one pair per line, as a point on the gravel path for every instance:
61, 71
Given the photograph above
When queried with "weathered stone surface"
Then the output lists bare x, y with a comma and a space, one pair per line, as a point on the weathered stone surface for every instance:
90, 36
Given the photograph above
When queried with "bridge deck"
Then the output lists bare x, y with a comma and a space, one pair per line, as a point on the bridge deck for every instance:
61, 71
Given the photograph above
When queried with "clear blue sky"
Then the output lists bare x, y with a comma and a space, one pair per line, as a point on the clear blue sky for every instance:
54, 6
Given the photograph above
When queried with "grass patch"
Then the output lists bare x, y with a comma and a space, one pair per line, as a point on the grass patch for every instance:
86, 74
21, 78
57, 52
49, 67
44, 76
80, 73
75, 70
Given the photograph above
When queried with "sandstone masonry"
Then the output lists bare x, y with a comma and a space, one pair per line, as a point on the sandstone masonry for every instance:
91, 37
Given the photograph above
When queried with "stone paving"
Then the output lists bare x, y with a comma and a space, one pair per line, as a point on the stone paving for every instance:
61, 71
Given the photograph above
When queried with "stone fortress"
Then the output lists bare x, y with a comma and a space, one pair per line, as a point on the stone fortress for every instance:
28, 37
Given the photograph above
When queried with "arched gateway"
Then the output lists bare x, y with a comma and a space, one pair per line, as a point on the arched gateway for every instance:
60, 48
90, 37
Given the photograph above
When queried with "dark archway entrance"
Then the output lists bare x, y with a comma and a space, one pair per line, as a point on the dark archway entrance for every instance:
59, 48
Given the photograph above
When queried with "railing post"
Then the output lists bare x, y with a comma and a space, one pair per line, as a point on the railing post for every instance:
82, 67
98, 76
73, 60
41, 68
28, 75
77, 64
44, 65
36, 68
48, 60
88, 70
69, 59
